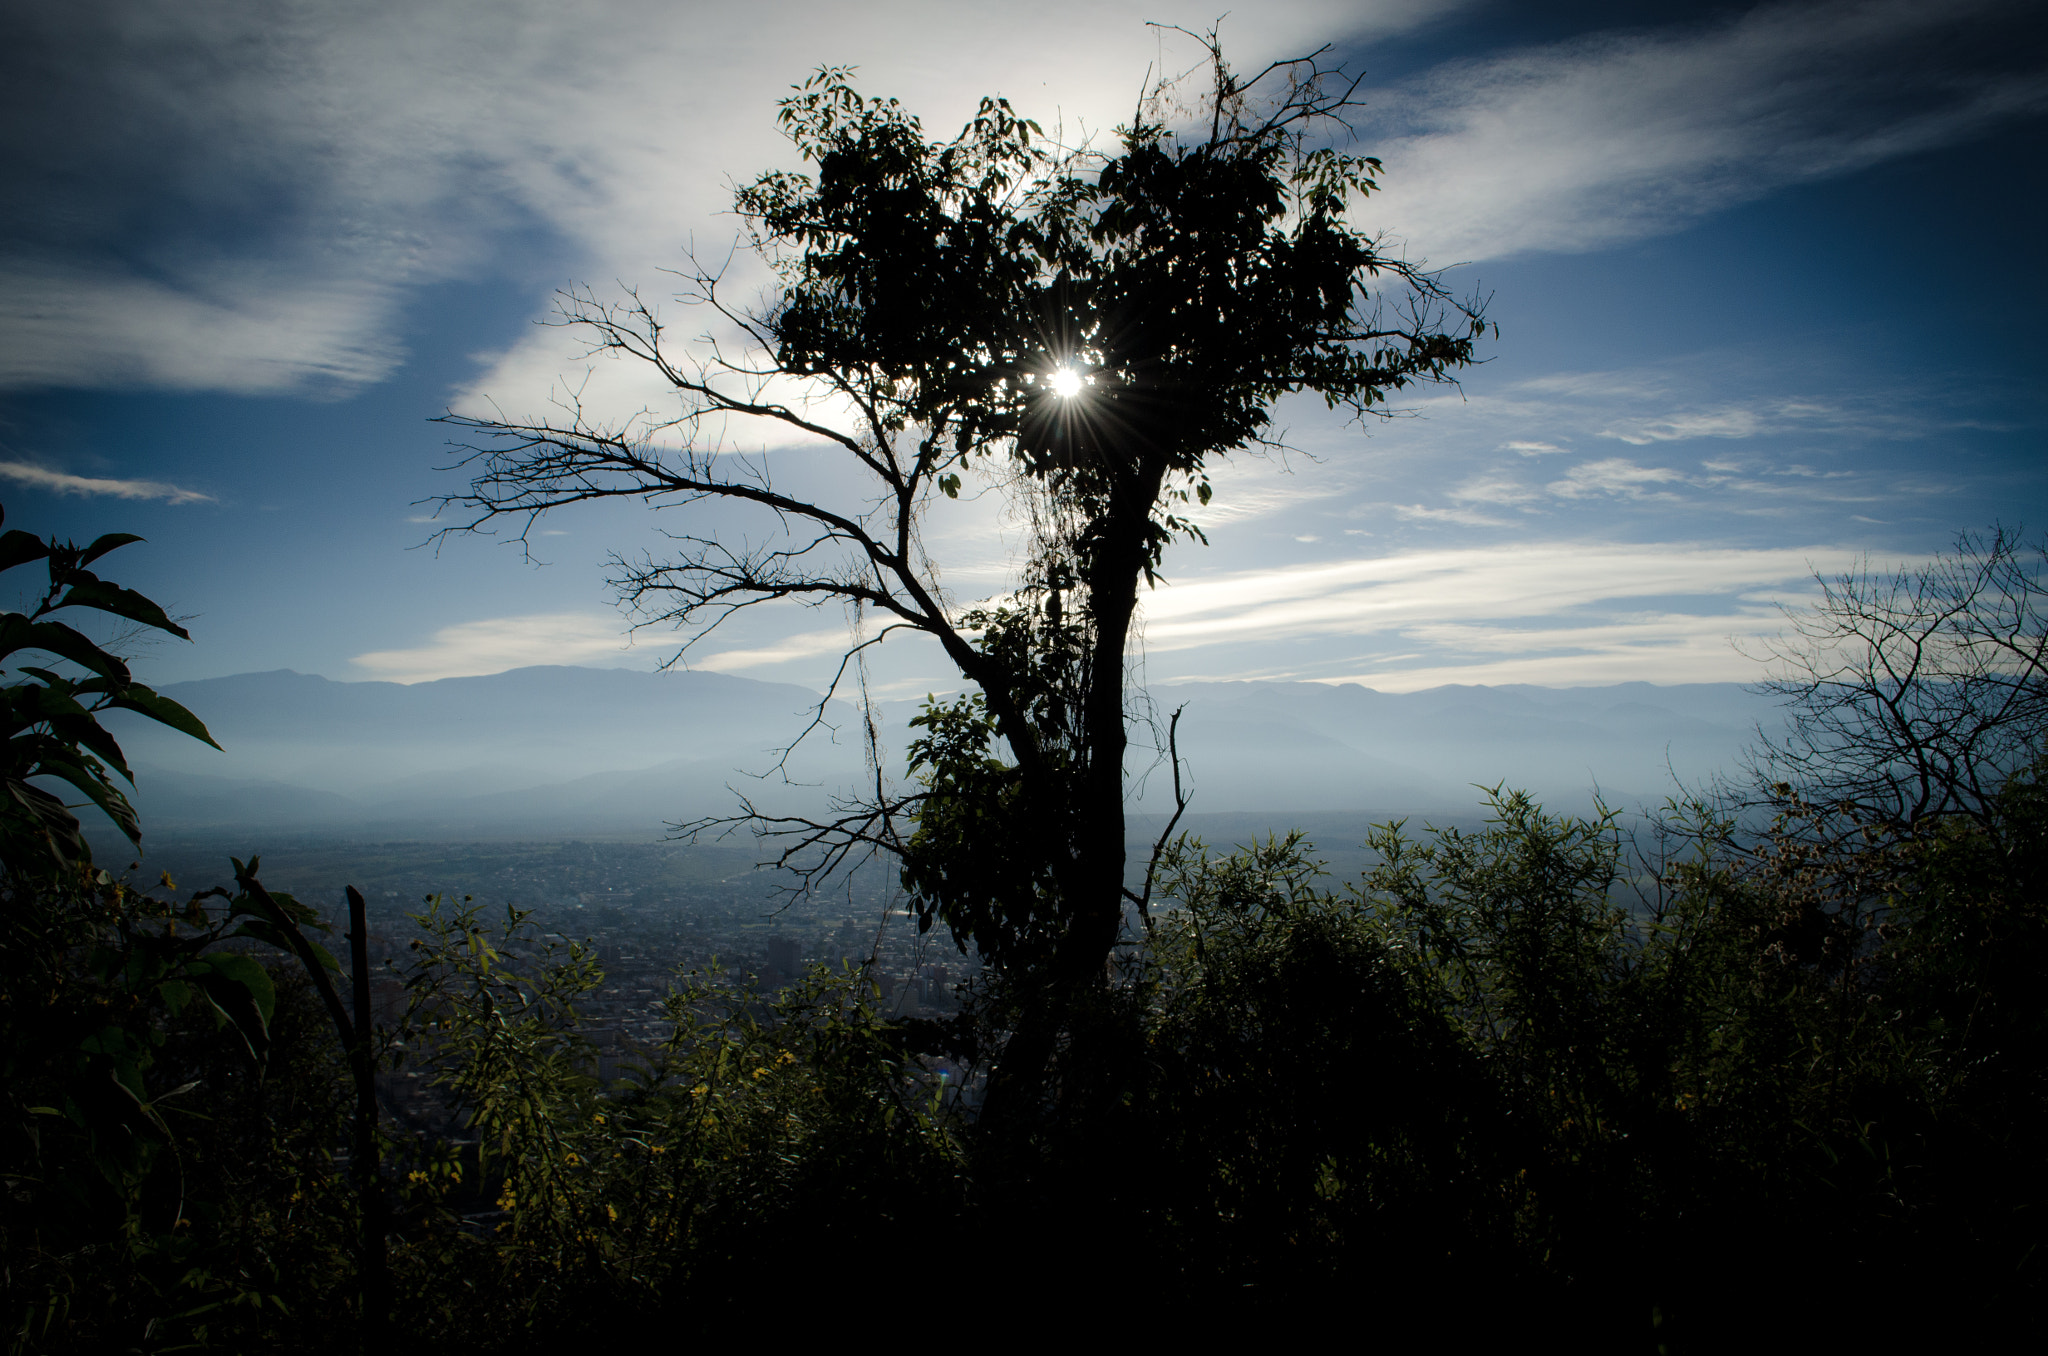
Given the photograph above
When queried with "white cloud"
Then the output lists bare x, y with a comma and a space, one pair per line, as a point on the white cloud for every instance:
1418, 513
1612, 137
500, 643
1405, 594
1493, 489
1616, 476
59, 482
354, 153
1726, 423
807, 645
1528, 448
1627, 383
1560, 612
243, 331
1625, 657
1619, 632
1564, 613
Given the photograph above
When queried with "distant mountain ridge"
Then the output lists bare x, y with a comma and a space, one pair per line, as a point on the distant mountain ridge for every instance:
575, 719
559, 751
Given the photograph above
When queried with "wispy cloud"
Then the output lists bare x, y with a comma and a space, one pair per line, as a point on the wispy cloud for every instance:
60, 482
1419, 513
305, 169
301, 192
1620, 654
1561, 613
1726, 423
1721, 432
242, 330
1666, 404
1617, 476
1396, 595
806, 645
1493, 489
496, 644
1613, 137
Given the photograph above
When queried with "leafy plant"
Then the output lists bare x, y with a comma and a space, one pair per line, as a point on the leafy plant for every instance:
99, 979
51, 720
757, 1132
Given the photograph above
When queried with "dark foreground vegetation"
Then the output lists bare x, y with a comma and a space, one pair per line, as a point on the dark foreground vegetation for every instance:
1671, 1088
1507, 1076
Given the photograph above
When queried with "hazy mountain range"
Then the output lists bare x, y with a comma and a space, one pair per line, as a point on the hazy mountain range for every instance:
557, 751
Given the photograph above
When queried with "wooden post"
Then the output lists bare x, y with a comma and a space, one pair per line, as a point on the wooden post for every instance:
376, 1269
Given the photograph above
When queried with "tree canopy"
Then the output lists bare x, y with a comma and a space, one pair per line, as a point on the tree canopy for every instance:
1088, 329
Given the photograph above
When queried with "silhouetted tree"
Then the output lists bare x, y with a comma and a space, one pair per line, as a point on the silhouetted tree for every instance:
1087, 331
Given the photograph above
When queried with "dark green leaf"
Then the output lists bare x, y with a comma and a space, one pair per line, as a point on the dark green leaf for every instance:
269, 913
110, 801
19, 548
44, 815
104, 544
163, 711
120, 602
75, 729
245, 970
241, 991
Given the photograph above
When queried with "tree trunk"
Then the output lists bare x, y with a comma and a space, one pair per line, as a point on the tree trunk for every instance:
1091, 907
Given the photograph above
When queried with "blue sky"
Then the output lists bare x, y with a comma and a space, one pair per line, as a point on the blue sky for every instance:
1768, 280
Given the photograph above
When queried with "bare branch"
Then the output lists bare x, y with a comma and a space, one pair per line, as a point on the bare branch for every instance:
1914, 695
1180, 805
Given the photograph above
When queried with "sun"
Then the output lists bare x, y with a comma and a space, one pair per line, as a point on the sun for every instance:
1065, 382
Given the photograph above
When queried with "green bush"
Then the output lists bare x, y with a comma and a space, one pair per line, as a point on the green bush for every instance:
762, 1138
1664, 1095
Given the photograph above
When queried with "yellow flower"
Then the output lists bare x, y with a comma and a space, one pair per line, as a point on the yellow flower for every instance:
612, 1213
700, 1090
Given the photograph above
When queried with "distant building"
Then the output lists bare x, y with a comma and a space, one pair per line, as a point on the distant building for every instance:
786, 954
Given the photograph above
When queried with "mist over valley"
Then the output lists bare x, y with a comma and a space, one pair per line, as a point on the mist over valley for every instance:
555, 752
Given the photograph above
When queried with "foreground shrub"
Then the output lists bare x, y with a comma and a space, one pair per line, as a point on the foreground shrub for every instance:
761, 1144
